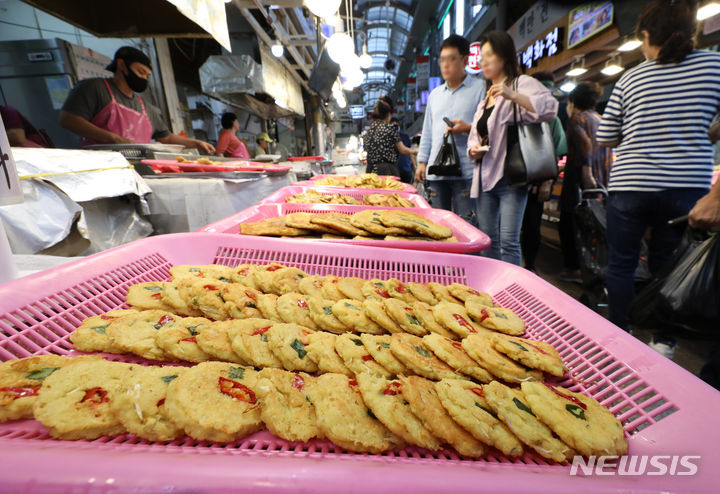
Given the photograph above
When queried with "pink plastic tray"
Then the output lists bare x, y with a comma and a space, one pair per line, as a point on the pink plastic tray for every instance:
227, 166
318, 177
278, 197
470, 239
311, 183
665, 410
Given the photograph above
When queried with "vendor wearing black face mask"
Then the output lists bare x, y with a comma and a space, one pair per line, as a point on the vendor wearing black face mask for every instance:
109, 111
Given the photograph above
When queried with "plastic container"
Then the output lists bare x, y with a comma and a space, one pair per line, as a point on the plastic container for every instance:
171, 166
318, 177
311, 183
470, 239
278, 197
665, 409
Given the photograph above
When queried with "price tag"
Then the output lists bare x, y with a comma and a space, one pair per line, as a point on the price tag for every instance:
10, 190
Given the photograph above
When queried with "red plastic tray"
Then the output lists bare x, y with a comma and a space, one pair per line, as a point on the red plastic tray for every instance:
306, 158
470, 239
170, 166
664, 409
278, 197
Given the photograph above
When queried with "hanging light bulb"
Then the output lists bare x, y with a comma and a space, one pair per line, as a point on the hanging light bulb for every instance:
350, 63
277, 49
365, 59
323, 8
577, 68
630, 44
568, 86
340, 46
613, 66
353, 78
708, 10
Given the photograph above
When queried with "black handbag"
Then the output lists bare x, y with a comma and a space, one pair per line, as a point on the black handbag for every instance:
530, 153
447, 161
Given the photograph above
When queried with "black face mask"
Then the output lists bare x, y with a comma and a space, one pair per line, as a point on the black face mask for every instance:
136, 83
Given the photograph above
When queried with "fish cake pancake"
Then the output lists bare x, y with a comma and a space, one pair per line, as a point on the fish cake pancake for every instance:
351, 287
465, 402
135, 333
424, 313
293, 308
241, 301
464, 293
424, 403
242, 273
249, 341
378, 346
340, 223
533, 354
344, 419
178, 339
312, 286
172, 296
267, 305
288, 342
322, 314
271, 227
413, 353
303, 221
260, 276
91, 335
287, 410
215, 341
580, 421
21, 380
453, 317
404, 316
215, 401
452, 353
147, 296
205, 296
356, 357
139, 403
74, 401
321, 350
375, 288
408, 220
352, 314
441, 293
209, 271
399, 290
286, 280
480, 349
513, 409
330, 288
496, 318
385, 400
422, 292
375, 310
369, 220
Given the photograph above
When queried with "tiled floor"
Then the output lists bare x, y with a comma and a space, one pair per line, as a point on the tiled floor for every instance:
690, 354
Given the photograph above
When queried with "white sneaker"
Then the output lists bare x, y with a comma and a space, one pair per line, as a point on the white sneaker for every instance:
665, 348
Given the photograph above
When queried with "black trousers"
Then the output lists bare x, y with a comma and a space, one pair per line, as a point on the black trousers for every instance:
530, 233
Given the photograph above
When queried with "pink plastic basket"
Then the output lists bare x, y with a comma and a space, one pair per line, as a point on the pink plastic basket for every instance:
470, 239
318, 177
227, 166
665, 410
311, 183
278, 197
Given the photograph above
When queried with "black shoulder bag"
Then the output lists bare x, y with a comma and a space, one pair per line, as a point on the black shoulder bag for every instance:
531, 152
447, 161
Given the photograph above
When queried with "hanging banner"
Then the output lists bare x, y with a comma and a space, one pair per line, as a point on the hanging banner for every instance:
586, 21
423, 72
411, 94
209, 15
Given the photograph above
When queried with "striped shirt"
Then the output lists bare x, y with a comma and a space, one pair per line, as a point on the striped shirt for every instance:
661, 115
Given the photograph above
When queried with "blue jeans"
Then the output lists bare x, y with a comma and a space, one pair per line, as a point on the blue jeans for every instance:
452, 195
629, 215
500, 215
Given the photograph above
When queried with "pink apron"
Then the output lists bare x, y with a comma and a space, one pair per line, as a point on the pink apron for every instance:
123, 121
241, 152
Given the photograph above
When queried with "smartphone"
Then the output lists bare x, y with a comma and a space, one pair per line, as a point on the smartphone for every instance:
449, 122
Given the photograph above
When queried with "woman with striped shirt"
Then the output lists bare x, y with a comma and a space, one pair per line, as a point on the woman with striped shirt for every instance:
658, 118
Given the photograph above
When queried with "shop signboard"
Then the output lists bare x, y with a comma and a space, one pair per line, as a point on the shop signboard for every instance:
538, 19
423, 72
587, 21
357, 111
411, 92
473, 64
545, 46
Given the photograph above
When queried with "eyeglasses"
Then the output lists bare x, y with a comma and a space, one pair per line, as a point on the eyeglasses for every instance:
449, 59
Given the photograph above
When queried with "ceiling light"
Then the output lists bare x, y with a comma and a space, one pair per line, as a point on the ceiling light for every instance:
577, 67
365, 59
613, 66
340, 46
350, 63
630, 44
353, 78
708, 10
277, 49
323, 8
567, 86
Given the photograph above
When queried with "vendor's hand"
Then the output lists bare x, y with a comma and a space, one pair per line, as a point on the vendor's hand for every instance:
420, 173
501, 90
460, 127
543, 192
706, 213
118, 139
476, 153
205, 147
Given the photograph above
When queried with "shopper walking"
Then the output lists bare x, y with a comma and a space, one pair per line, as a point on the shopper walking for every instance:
500, 207
658, 118
455, 100
588, 165
382, 141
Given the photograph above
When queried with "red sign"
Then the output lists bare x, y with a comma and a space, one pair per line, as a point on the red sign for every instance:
473, 65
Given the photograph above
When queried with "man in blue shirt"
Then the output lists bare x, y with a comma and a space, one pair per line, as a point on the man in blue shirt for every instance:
457, 99
404, 162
